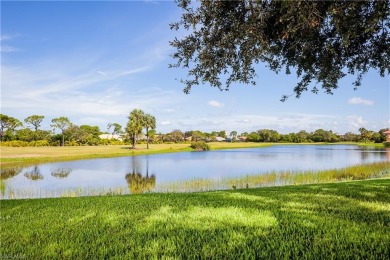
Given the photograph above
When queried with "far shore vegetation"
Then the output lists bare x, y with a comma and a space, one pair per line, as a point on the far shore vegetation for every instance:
141, 128
87, 142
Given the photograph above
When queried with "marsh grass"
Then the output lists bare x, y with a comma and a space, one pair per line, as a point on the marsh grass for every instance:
348, 220
281, 178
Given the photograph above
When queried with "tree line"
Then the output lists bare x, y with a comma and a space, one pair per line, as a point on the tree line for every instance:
29, 133
13, 132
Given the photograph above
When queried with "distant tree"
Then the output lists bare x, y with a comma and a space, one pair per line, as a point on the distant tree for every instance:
222, 134
233, 135
253, 137
382, 137
293, 138
109, 126
8, 125
149, 124
25, 134
267, 135
61, 123
176, 136
320, 40
35, 121
318, 135
349, 137
117, 128
196, 136
364, 134
152, 136
135, 125
302, 136
84, 134
187, 134
244, 134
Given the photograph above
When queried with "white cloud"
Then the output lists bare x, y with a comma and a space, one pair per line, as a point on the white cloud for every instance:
5, 37
356, 121
133, 71
165, 123
8, 49
102, 73
214, 103
284, 123
360, 101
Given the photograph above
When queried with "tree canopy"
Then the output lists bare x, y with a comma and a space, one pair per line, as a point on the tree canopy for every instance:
8, 124
35, 121
61, 123
149, 124
135, 124
322, 41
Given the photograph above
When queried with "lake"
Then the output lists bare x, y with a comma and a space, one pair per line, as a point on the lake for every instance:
186, 171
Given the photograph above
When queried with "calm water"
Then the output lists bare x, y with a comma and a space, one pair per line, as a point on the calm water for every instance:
150, 173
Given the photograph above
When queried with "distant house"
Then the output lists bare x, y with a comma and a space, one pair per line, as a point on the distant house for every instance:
387, 134
242, 138
111, 136
220, 139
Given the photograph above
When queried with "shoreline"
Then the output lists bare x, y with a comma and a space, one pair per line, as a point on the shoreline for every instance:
25, 156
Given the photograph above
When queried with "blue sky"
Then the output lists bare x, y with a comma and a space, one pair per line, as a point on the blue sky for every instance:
94, 62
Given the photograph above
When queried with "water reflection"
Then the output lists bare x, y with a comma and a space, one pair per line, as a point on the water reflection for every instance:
388, 153
9, 173
61, 173
5, 174
138, 183
34, 174
181, 171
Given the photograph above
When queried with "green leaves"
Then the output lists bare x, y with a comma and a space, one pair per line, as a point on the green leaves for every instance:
137, 121
320, 41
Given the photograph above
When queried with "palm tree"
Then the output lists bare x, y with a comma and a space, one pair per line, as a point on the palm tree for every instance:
149, 123
233, 134
135, 125
364, 134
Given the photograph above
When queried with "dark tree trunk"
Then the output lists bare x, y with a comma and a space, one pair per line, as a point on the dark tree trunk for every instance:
133, 141
63, 139
147, 138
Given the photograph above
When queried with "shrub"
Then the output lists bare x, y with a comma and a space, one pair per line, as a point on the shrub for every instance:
15, 143
387, 144
39, 143
200, 146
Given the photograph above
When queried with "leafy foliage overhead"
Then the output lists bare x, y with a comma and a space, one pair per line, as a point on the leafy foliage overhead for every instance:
321, 40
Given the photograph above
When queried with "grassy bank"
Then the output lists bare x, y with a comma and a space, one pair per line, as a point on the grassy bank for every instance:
11, 156
345, 220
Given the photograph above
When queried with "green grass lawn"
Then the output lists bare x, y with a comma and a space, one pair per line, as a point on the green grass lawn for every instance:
349, 220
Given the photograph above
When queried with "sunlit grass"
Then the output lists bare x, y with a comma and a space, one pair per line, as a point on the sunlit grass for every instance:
348, 220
